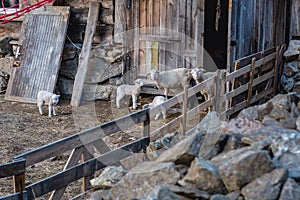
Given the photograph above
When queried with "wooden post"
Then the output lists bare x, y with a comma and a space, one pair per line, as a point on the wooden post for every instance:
86, 185
220, 90
85, 53
276, 72
251, 77
146, 124
234, 82
184, 110
19, 184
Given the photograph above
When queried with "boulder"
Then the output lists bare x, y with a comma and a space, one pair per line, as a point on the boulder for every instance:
204, 175
184, 151
143, 178
267, 186
239, 167
290, 190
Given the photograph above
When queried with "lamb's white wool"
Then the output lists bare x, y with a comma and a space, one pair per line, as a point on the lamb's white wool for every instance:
200, 75
133, 90
48, 98
155, 102
171, 79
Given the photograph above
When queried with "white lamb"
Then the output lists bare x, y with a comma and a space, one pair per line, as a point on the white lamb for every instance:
171, 79
133, 90
199, 75
155, 102
49, 99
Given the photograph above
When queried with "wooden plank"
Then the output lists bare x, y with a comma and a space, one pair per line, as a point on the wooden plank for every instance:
263, 94
235, 109
163, 33
251, 76
85, 53
237, 73
265, 60
201, 107
136, 47
74, 173
142, 31
39, 64
175, 123
15, 167
220, 90
263, 78
237, 91
146, 125
86, 185
82, 138
159, 38
15, 196
184, 110
72, 160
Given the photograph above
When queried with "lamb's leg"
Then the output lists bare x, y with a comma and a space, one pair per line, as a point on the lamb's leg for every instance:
157, 116
164, 114
54, 110
166, 93
40, 108
134, 99
50, 109
118, 99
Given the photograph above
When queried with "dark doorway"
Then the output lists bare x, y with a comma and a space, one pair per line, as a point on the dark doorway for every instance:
215, 39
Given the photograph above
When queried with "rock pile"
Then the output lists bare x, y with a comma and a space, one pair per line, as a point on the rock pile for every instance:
290, 80
253, 156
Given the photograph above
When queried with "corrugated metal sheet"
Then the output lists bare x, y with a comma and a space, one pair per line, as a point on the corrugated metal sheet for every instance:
42, 41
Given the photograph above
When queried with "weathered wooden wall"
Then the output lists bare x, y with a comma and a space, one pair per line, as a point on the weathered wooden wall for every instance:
295, 18
257, 25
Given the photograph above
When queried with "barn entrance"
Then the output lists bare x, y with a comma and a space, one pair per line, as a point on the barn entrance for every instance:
215, 32
169, 36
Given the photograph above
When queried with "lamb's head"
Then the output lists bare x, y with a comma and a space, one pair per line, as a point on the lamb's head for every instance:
55, 99
153, 75
197, 73
138, 83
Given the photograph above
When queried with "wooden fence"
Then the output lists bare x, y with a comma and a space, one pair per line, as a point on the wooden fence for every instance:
254, 78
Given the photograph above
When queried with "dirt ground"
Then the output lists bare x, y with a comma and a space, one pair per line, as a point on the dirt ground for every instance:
23, 129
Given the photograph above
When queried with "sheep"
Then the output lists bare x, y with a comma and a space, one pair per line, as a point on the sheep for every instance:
133, 90
199, 75
155, 102
49, 99
171, 79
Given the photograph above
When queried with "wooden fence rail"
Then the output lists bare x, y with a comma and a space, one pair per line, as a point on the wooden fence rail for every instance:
255, 77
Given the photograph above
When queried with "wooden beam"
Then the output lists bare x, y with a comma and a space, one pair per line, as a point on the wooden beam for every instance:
83, 138
15, 167
76, 172
85, 53
251, 76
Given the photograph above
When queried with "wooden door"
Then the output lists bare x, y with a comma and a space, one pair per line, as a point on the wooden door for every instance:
160, 34
168, 36
41, 46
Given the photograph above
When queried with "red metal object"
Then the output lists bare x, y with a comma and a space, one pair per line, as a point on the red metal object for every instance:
14, 11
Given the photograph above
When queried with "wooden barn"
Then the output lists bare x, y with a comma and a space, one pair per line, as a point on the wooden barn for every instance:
86, 50
152, 34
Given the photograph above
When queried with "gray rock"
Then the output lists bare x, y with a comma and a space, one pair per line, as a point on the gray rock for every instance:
290, 190
291, 162
297, 87
219, 197
239, 167
65, 85
293, 49
211, 123
183, 152
204, 175
97, 92
98, 195
143, 178
99, 70
162, 193
234, 142
256, 112
109, 176
265, 187
290, 68
190, 193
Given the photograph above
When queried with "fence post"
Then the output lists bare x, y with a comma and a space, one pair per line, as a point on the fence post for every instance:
234, 82
220, 90
251, 76
184, 110
146, 125
276, 71
86, 155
